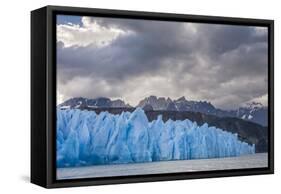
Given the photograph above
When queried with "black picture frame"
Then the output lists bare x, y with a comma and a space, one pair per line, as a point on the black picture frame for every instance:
43, 96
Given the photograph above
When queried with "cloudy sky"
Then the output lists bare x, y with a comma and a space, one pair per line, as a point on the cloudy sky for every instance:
132, 59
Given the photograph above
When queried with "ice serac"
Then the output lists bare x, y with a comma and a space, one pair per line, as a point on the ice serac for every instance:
86, 138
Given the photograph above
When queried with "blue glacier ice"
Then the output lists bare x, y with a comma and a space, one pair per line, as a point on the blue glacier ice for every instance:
86, 138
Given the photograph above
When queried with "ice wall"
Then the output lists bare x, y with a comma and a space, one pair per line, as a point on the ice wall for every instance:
85, 138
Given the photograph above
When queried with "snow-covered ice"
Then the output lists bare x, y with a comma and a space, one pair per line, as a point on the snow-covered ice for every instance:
85, 138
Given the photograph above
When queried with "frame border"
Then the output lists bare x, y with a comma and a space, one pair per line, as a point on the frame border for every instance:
51, 13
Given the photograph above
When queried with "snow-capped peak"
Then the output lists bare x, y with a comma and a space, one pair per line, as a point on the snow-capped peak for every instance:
253, 105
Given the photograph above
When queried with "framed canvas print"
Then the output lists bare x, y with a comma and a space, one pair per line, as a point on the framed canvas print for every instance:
125, 96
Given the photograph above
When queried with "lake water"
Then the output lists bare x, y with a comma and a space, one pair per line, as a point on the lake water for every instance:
248, 161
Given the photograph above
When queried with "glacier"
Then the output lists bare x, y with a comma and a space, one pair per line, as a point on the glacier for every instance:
86, 138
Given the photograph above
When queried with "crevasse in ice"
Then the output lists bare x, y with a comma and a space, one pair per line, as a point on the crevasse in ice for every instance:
87, 138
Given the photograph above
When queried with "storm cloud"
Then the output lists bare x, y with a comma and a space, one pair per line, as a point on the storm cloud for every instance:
132, 59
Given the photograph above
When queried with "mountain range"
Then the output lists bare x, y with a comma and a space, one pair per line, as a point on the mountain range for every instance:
100, 102
254, 112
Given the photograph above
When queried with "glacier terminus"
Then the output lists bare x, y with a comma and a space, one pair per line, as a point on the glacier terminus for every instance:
85, 138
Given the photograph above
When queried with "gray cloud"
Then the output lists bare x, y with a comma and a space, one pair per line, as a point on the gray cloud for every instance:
224, 64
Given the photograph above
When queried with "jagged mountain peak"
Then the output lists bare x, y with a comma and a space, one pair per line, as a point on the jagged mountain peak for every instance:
80, 102
181, 99
253, 105
157, 103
